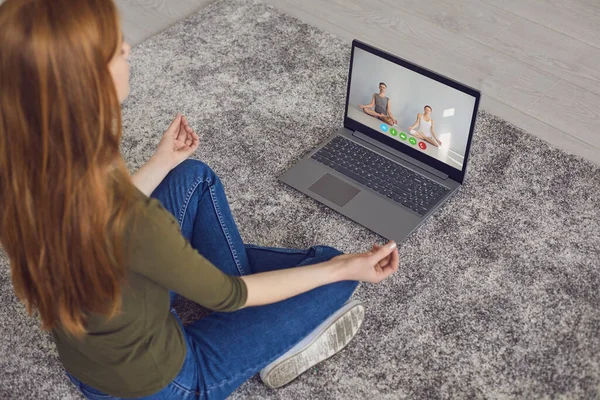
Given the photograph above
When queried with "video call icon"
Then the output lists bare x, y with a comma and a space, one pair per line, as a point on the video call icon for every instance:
402, 135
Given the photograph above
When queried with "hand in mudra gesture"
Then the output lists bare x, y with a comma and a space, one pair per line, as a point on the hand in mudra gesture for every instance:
373, 266
178, 143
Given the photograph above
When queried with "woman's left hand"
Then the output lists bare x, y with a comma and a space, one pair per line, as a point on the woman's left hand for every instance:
177, 144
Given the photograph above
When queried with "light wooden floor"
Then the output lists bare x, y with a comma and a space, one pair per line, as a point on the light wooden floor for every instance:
537, 62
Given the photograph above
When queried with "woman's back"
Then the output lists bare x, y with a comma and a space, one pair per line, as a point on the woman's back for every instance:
142, 348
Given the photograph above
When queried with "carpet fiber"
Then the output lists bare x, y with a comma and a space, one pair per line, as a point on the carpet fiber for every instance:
497, 294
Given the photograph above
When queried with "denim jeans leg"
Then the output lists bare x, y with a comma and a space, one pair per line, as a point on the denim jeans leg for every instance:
194, 194
232, 347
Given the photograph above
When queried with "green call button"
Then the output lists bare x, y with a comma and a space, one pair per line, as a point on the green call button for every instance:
412, 141
402, 135
393, 132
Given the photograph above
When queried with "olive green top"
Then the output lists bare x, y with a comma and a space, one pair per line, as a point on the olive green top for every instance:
141, 350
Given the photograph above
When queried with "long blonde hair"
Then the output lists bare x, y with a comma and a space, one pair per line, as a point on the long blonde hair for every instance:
65, 191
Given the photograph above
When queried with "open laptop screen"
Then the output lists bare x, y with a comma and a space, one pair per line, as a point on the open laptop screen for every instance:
413, 109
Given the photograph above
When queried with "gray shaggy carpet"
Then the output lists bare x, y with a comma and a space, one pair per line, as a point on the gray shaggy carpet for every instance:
497, 294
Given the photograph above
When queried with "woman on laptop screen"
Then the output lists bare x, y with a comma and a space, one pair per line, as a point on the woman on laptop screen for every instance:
425, 128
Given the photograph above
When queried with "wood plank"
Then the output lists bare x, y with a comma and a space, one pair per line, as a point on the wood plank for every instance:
134, 33
571, 109
435, 48
592, 2
574, 18
544, 131
158, 11
144, 18
468, 18
555, 53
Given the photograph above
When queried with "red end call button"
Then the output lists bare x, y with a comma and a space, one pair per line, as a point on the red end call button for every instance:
422, 145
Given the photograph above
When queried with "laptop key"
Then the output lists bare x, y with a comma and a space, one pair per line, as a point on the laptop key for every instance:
352, 175
326, 154
399, 190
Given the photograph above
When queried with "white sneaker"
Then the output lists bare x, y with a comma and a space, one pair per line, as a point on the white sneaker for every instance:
327, 339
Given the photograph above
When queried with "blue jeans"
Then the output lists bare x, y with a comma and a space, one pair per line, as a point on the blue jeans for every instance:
226, 349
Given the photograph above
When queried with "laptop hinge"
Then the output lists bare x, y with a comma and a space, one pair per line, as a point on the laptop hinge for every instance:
399, 154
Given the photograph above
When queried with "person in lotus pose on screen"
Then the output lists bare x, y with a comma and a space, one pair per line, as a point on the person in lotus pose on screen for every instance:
383, 108
424, 128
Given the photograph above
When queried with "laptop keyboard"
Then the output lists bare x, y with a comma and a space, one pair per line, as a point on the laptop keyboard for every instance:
384, 176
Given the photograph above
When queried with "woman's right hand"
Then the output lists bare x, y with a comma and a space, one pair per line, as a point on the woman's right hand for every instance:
177, 144
373, 266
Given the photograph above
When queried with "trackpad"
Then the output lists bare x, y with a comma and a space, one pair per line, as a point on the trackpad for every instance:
334, 189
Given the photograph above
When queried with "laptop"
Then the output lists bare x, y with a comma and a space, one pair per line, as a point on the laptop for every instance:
402, 151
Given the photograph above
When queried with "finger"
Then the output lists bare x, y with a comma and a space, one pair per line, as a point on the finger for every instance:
383, 251
395, 261
391, 261
388, 259
195, 139
180, 135
174, 126
386, 272
195, 142
185, 124
188, 139
374, 248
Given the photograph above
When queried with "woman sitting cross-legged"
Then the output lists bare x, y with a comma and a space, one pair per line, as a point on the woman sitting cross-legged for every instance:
100, 254
423, 128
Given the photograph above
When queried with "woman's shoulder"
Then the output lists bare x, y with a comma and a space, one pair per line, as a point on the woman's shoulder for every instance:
150, 228
148, 217
150, 210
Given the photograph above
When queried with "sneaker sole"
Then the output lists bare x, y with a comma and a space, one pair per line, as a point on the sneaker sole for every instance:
339, 330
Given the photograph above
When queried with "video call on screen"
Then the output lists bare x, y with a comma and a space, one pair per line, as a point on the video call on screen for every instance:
411, 108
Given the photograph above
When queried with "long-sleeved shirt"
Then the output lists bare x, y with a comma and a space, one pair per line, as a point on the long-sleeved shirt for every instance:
142, 349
